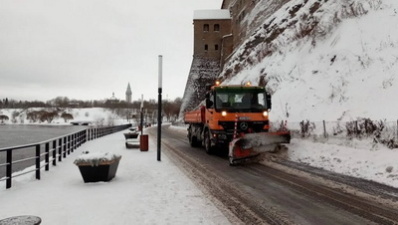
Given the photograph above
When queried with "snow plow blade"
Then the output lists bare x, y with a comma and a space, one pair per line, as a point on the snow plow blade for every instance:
251, 145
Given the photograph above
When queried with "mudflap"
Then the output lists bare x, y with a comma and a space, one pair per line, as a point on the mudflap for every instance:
251, 145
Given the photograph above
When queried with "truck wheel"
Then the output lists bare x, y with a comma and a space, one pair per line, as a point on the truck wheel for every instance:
208, 148
190, 139
193, 141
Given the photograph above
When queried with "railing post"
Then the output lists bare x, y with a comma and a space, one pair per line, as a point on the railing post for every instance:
69, 144
64, 147
47, 156
9, 168
75, 141
38, 162
60, 149
54, 152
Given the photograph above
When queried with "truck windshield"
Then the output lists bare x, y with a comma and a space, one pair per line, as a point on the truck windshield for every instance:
241, 100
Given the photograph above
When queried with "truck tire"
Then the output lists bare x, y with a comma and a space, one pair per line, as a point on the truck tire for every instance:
193, 141
209, 149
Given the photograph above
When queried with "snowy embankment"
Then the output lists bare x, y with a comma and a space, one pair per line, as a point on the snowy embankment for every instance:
344, 68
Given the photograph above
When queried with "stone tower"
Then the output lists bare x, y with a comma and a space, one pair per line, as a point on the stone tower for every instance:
128, 93
212, 42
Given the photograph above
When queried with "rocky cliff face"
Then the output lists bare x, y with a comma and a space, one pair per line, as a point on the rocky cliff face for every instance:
203, 72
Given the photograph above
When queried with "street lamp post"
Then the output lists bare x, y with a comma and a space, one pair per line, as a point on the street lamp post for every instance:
159, 105
142, 115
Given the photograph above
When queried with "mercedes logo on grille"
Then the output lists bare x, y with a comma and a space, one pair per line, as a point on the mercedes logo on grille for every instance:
243, 125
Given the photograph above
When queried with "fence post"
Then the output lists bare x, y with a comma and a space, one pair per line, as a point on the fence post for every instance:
324, 129
60, 149
47, 157
76, 136
73, 142
38, 162
64, 147
54, 152
68, 146
9, 168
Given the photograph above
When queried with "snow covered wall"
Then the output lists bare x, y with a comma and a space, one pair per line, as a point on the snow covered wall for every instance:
324, 60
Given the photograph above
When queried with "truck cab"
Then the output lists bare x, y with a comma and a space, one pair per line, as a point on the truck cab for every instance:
229, 112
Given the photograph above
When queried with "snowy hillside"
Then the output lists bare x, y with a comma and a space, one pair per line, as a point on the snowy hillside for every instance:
332, 61
325, 60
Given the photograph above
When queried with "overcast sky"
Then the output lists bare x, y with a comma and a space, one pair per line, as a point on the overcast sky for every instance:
88, 49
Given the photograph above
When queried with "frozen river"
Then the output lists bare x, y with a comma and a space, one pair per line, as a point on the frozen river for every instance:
16, 135
12, 135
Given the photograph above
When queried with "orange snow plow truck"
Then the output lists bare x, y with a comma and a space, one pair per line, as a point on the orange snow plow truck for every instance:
234, 118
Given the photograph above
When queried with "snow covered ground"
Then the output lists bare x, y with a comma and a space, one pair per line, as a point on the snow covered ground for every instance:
144, 191
357, 160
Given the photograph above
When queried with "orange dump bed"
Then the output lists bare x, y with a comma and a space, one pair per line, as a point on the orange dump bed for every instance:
195, 116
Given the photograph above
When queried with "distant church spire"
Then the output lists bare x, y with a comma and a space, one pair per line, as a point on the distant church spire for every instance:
128, 94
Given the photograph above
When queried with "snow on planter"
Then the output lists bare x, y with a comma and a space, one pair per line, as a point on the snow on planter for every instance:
96, 158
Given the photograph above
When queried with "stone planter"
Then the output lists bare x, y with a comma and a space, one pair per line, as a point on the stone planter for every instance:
97, 167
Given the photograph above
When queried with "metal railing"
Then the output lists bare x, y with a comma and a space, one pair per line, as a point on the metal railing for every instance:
18, 158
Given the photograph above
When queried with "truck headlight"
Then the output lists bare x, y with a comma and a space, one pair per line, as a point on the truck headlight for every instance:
224, 113
265, 113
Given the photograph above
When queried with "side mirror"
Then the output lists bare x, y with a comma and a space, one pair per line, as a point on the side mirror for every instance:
209, 103
268, 99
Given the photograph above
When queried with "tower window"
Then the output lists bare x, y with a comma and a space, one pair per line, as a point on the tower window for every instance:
216, 27
206, 27
206, 47
216, 47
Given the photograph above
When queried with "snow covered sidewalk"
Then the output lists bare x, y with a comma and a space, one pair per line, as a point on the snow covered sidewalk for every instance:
144, 191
